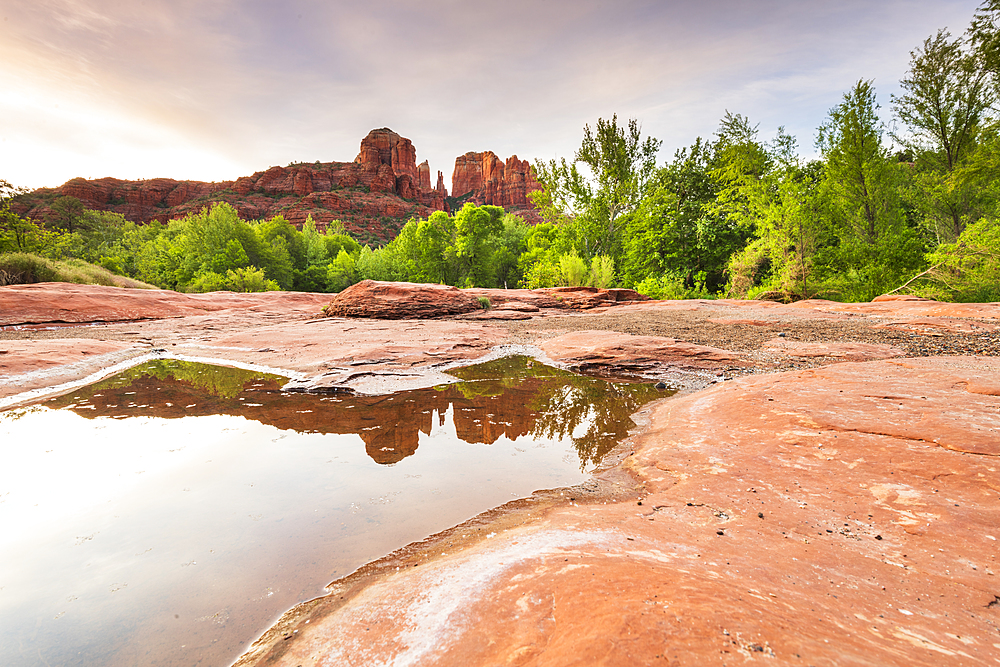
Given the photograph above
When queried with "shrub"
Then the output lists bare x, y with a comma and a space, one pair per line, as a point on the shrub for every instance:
24, 268
573, 270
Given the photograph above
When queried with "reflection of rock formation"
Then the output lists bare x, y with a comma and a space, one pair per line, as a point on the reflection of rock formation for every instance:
390, 426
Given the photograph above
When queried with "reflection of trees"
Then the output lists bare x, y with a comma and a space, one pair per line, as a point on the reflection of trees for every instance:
603, 407
510, 397
220, 381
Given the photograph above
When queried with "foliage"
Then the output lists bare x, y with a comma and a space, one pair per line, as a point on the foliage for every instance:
945, 106
968, 270
620, 164
602, 272
23, 268
874, 248
572, 270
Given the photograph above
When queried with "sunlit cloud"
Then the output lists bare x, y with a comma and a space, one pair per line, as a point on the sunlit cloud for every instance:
217, 89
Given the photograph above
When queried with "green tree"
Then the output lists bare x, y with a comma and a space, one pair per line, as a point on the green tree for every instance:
947, 97
511, 245
968, 270
476, 232
677, 229
67, 214
341, 273
436, 238
620, 163
17, 233
875, 248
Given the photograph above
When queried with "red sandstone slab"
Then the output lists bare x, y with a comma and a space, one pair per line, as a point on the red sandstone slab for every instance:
69, 302
837, 350
27, 365
611, 350
839, 516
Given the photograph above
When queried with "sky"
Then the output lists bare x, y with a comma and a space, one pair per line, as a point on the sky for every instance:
216, 89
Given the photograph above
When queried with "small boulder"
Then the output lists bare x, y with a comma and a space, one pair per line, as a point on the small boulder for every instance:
380, 300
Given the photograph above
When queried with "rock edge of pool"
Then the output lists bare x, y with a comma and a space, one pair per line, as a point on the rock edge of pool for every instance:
825, 490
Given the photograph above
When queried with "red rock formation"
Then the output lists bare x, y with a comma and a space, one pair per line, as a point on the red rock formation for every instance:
400, 301
424, 175
386, 147
384, 181
494, 182
468, 174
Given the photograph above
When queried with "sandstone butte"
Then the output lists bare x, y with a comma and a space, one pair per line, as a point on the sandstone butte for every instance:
373, 196
833, 513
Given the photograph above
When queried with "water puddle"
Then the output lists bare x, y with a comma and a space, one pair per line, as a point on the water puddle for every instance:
169, 514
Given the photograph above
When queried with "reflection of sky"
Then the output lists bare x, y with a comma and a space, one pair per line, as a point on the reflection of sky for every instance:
216, 89
198, 531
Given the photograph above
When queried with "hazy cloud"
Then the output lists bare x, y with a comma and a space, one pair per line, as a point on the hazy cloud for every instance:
215, 89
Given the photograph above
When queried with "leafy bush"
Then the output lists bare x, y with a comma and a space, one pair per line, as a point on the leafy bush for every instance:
602, 271
573, 270
969, 270
24, 268
671, 286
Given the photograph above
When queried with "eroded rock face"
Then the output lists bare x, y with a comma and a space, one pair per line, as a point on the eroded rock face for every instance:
385, 168
493, 181
571, 298
400, 301
799, 516
385, 147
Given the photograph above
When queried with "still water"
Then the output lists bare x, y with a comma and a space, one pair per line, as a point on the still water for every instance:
168, 515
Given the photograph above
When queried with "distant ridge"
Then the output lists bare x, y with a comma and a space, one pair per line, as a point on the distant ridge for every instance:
373, 196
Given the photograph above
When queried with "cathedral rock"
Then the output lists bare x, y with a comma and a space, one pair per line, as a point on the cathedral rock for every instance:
373, 196
491, 181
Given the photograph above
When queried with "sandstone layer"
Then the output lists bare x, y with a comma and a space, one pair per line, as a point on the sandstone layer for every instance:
604, 352
400, 301
397, 301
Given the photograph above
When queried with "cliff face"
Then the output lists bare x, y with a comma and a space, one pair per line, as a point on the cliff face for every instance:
373, 196
491, 181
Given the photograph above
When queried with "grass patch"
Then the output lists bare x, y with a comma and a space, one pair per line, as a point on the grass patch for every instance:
21, 268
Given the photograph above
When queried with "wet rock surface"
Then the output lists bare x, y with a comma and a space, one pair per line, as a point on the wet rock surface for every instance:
838, 524
805, 509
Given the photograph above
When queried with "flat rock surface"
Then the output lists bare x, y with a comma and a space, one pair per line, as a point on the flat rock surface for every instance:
800, 508
836, 350
601, 350
67, 302
850, 518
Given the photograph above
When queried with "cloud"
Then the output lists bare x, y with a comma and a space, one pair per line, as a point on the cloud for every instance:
240, 86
